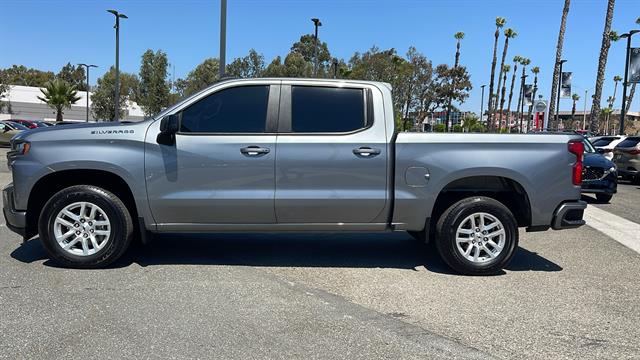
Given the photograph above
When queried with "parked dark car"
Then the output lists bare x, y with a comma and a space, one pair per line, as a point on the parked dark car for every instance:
31, 124
626, 155
599, 175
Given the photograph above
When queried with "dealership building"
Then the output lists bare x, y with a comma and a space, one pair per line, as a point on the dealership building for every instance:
23, 103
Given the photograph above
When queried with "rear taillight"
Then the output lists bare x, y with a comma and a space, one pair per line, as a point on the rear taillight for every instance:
576, 147
634, 152
607, 150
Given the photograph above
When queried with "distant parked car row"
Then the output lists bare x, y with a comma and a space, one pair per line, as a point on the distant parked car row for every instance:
9, 128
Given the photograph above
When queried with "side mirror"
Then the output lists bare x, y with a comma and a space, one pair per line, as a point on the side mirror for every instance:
600, 151
169, 126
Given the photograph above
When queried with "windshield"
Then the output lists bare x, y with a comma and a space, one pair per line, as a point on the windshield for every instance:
629, 142
588, 148
604, 141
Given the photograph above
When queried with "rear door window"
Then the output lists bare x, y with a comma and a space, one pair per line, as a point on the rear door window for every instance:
326, 109
629, 142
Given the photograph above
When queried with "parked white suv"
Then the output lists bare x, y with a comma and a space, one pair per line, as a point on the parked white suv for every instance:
606, 144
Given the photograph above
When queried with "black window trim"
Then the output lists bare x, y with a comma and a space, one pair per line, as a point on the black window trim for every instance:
271, 121
284, 121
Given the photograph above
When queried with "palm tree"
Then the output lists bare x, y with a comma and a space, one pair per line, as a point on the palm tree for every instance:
612, 99
607, 36
606, 112
500, 21
535, 70
458, 36
505, 69
508, 34
524, 62
516, 60
556, 68
574, 98
59, 95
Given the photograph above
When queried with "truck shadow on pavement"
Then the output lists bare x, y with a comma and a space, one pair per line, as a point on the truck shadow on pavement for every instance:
290, 250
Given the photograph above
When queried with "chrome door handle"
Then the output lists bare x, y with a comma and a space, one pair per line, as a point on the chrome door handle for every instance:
254, 150
366, 151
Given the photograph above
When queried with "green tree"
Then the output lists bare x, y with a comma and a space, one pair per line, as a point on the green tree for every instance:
607, 37
306, 47
199, 78
21, 75
386, 66
419, 92
250, 66
556, 68
275, 68
4, 88
73, 75
59, 95
500, 22
153, 95
103, 99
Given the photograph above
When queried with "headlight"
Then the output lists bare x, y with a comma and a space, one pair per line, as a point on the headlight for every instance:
612, 169
21, 147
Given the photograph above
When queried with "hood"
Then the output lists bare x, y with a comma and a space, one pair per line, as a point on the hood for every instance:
597, 160
86, 131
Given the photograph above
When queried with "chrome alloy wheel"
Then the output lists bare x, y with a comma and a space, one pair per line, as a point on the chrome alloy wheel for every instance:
82, 228
480, 237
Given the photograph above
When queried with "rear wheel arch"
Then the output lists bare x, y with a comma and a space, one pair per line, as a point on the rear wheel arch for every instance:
505, 190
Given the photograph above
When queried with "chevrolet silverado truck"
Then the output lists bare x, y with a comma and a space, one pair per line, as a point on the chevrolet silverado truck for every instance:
288, 155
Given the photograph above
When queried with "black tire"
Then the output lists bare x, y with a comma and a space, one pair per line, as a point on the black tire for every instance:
120, 222
604, 198
447, 226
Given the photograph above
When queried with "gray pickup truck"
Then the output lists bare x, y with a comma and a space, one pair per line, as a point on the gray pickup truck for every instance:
276, 155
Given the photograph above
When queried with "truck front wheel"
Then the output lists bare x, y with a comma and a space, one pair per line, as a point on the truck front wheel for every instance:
477, 236
85, 226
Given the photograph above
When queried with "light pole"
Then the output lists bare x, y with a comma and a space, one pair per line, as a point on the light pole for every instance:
316, 23
482, 102
521, 110
223, 37
626, 79
559, 90
117, 82
88, 66
584, 111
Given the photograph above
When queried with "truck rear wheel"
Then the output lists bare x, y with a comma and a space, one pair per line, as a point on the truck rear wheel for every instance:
477, 236
85, 226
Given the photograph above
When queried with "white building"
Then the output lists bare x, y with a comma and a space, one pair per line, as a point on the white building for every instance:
24, 104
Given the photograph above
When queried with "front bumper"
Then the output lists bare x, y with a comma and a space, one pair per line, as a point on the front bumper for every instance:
569, 215
16, 220
606, 185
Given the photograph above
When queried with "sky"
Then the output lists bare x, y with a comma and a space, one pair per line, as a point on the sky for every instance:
46, 34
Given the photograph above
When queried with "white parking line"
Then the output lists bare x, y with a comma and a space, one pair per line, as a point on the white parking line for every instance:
619, 229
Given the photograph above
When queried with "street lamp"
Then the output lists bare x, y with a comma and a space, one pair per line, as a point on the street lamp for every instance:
482, 102
316, 23
117, 82
223, 37
88, 66
623, 111
559, 90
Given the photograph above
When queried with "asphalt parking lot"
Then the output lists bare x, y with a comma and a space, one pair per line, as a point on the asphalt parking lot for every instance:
568, 294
